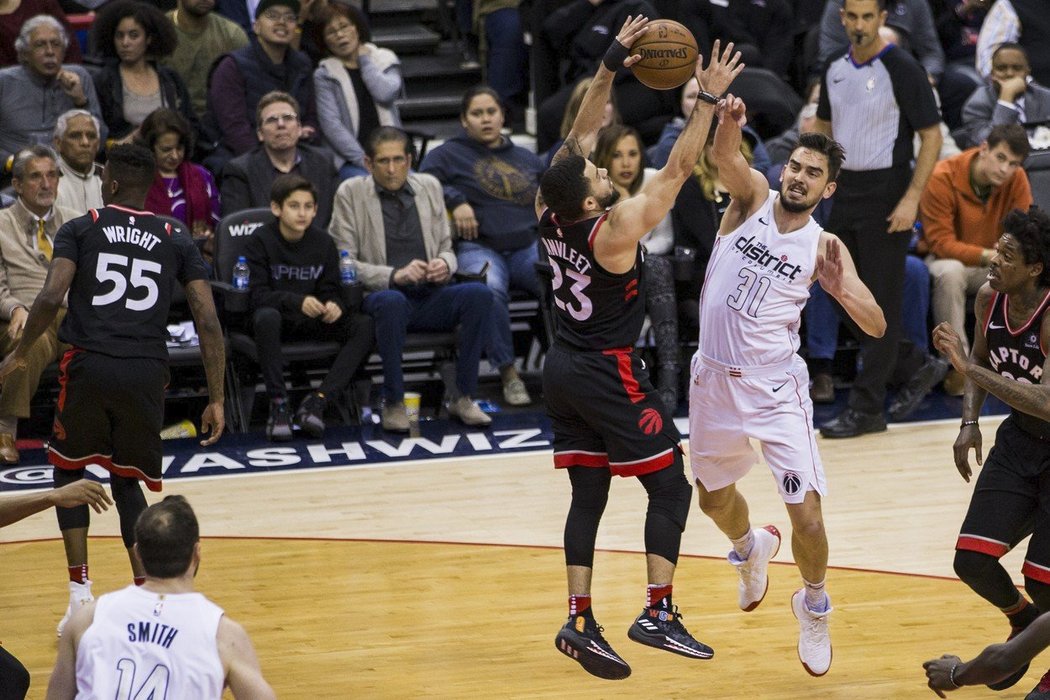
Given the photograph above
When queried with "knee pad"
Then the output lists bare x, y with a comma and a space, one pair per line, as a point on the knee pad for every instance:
670, 494
127, 495
970, 566
77, 516
590, 493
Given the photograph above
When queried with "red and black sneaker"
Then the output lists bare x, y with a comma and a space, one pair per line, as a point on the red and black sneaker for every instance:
663, 629
1041, 691
582, 641
1012, 680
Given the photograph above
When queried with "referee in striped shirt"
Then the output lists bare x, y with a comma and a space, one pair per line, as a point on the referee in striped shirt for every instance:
872, 101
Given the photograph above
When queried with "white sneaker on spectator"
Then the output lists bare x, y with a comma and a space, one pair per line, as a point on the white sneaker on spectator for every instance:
814, 640
79, 595
515, 393
754, 581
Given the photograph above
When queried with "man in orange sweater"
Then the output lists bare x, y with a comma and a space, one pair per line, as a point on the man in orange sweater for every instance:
962, 210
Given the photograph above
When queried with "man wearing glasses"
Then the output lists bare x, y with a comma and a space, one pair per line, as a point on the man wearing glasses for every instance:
241, 78
246, 180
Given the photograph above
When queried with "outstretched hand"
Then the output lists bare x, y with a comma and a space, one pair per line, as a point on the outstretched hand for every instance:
633, 27
213, 421
829, 268
721, 70
939, 673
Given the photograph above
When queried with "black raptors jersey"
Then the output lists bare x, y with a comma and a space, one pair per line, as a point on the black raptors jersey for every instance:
596, 309
127, 261
1017, 353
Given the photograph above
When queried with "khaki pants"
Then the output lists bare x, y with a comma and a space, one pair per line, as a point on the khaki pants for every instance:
952, 283
19, 387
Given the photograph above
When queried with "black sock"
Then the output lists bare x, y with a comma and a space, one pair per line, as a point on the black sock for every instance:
1023, 617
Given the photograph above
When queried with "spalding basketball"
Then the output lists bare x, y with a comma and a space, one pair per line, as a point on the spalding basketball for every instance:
668, 52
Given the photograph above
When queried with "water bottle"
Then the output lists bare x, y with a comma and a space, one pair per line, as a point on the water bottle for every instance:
240, 273
347, 269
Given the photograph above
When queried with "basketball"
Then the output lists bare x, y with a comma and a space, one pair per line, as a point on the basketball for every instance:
668, 52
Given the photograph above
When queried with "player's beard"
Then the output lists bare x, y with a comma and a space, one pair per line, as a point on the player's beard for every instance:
610, 199
793, 207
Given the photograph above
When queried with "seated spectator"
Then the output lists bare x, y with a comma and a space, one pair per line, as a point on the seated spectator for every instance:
962, 209
247, 179
77, 142
1010, 97
36, 92
499, 26
295, 294
27, 236
394, 225
610, 116
131, 36
203, 36
15, 13
1020, 21
577, 35
490, 186
957, 23
355, 87
619, 151
658, 153
239, 81
181, 189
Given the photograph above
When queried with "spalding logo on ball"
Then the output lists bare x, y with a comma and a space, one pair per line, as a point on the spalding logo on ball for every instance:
668, 52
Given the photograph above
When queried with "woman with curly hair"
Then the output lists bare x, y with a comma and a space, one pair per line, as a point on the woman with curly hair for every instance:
181, 189
619, 150
130, 36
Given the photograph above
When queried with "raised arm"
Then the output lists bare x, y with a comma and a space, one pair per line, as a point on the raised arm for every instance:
584, 132
747, 187
637, 215
838, 276
15, 508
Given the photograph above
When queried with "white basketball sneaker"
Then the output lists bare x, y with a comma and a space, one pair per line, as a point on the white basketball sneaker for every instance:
814, 640
79, 595
753, 579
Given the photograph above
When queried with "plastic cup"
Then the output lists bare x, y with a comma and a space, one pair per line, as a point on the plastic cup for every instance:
412, 405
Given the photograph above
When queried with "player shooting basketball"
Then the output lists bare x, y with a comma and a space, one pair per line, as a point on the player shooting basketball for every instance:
606, 416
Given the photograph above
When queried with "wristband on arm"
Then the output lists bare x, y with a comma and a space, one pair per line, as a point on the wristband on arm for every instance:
615, 55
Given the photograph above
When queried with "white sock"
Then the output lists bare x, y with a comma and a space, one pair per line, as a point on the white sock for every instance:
743, 545
816, 597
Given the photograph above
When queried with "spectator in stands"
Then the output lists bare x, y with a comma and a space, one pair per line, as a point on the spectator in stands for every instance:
131, 36
1011, 96
240, 79
77, 142
247, 179
394, 225
1025, 22
356, 86
295, 294
490, 187
619, 150
611, 116
759, 29
759, 157
14, 14
962, 210
203, 36
877, 200
181, 189
238, 11
576, 36
499, 26
913, 20
27, 235
36, 92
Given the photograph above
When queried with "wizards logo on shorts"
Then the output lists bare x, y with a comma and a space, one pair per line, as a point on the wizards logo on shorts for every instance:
650, 422
792, 483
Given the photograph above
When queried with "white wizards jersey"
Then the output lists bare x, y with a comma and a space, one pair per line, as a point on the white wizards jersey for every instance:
151, 645
756, 285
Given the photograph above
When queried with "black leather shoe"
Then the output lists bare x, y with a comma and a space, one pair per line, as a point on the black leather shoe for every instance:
851, 423
823, 389
911, 394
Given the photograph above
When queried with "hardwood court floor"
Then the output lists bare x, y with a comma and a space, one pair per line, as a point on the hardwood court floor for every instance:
443, 578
